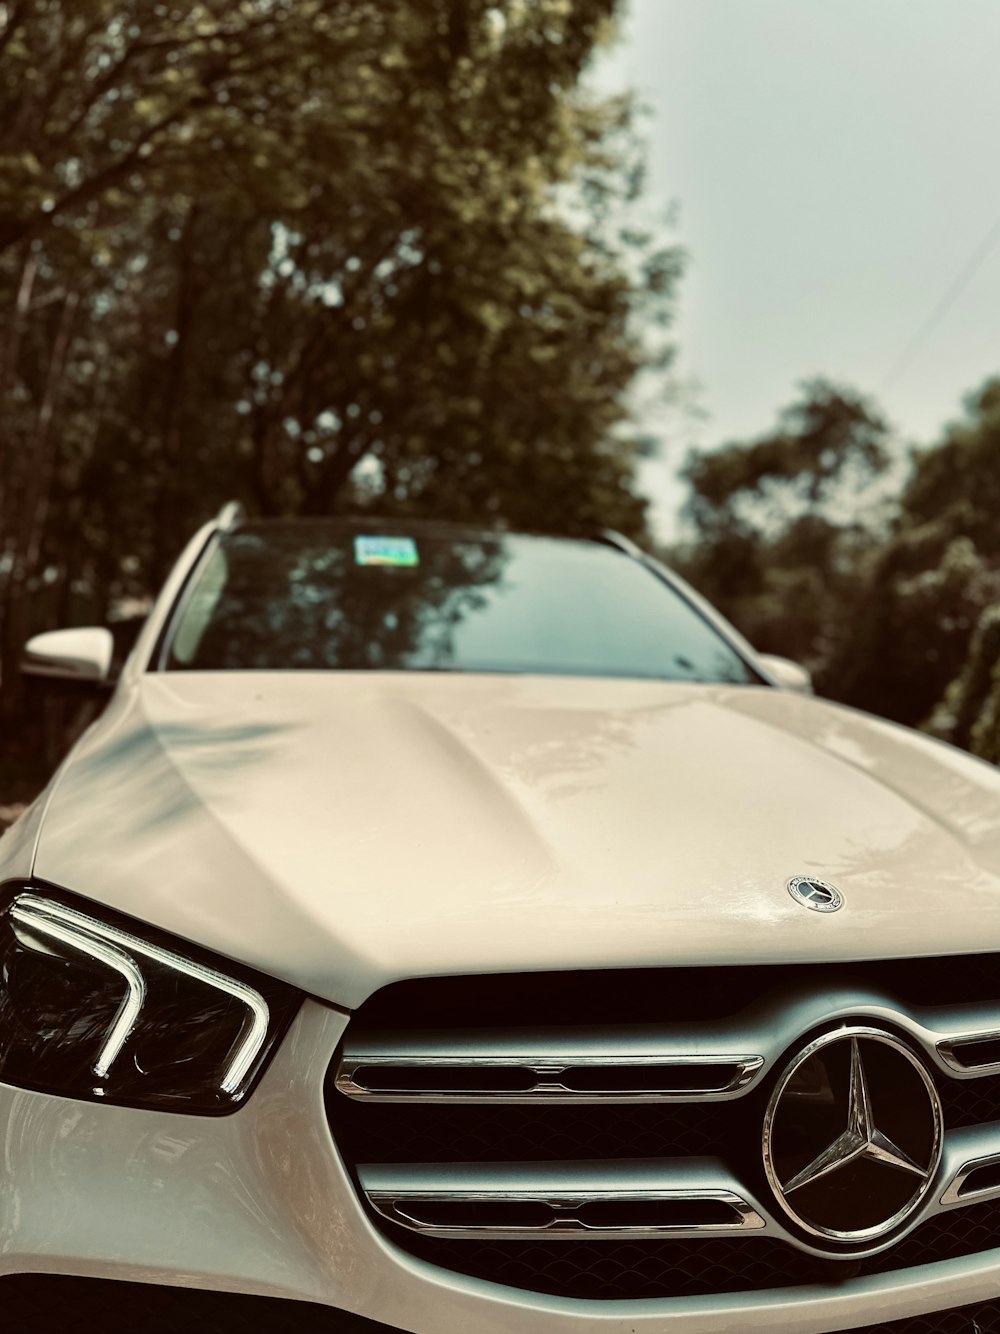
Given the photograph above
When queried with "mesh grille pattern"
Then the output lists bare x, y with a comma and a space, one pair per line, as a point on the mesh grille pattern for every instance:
529, 1132
615, 1270
944, 1237
633, 1270
970, 1102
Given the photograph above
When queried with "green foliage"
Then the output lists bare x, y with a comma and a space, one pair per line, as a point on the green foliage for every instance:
317, 254
829, 442
967, 715
984, 740
957, 482
930, 584
892, 605
912, 620
771, 547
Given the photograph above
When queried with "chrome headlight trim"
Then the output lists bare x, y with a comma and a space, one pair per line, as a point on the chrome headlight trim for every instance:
117, 949
96, 1005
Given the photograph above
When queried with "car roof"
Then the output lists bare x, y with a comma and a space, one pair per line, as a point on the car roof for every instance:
380, 524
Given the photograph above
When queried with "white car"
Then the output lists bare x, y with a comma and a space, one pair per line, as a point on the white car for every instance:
466, 933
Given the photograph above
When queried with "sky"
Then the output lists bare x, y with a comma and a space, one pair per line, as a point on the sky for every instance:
835, 166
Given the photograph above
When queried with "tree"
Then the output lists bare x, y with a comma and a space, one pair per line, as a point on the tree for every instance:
317, 254
957, 482
929, 585
771, 545
968, 715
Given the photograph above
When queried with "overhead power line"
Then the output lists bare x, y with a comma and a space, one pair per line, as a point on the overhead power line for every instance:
975, 263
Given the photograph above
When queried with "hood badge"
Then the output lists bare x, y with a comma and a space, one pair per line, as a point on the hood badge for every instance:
815, 894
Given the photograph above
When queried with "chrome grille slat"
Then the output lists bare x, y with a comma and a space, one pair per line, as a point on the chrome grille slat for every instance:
740, 1050
957, 1052
563, 1193
967, 1152
689, 1078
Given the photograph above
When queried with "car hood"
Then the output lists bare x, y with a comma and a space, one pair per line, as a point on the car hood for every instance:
344, 830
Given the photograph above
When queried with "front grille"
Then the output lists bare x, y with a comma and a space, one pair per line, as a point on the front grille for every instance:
58, 1304
428, 1124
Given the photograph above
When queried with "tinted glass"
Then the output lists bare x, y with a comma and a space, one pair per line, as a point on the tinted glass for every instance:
322, 597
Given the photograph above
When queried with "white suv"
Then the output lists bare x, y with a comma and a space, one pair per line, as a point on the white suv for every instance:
464, 932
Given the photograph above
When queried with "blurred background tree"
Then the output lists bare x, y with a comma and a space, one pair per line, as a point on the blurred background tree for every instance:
926, 587
329, 255
880, 572
319, 255
780, 525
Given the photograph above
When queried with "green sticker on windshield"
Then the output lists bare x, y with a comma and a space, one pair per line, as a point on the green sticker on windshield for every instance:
385, 551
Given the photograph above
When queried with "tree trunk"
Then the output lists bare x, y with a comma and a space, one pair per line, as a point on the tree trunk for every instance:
169, 529
34, 511
9, 355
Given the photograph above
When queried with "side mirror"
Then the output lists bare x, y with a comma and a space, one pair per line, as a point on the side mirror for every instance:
787, 674
83, 655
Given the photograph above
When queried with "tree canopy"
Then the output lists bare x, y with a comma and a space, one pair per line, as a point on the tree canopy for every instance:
351, 255
776, 525
314, 254
883, 579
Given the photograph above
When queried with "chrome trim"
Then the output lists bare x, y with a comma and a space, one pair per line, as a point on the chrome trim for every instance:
955, 1193
28, 919
544, 1072
948, 1053
965, 1151
563, 1188
814, 893
116, 948
755, 1040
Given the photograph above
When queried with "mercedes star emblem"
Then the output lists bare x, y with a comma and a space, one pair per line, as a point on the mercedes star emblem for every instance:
815, 894
852, 1135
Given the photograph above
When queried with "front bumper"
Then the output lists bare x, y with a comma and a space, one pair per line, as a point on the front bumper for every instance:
259, 1203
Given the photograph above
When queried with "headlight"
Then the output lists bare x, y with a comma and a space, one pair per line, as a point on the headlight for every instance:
99, 1007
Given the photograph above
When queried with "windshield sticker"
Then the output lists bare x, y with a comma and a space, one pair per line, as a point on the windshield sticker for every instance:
385, 551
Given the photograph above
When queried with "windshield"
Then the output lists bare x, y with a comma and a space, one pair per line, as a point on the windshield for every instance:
324, 596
